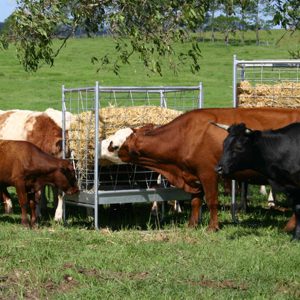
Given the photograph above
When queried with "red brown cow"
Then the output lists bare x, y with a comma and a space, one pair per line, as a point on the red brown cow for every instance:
28, 169
187, 149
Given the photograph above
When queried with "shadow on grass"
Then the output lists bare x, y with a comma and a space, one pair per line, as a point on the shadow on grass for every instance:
139, 216
129, 216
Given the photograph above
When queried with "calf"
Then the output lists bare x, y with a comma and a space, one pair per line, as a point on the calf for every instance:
28, 169
273, 153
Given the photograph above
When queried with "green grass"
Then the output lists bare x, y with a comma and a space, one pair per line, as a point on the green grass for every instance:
239, 262
74, 69
134, 256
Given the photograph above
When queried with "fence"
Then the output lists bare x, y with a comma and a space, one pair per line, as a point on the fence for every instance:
259, 83
98, 111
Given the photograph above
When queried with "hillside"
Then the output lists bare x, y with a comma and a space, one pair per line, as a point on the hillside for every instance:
73, 68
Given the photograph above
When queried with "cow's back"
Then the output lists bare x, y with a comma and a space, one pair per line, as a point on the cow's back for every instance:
35, 127
210, 138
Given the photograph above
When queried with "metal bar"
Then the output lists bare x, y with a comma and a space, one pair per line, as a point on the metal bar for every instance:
96, 207
269, 62
200, 96
233, 201
234, 81
63, 104
135, 89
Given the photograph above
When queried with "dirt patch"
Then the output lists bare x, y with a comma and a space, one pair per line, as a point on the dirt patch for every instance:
220, 284
165, 236
107, 274
111, 275
292, 289
12, 284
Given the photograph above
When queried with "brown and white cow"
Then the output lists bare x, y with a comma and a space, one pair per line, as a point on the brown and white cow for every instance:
187, 149
43, 129
28, 169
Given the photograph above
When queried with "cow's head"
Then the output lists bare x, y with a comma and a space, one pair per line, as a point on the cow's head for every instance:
131, 150
66, 178
110, 146
238, 152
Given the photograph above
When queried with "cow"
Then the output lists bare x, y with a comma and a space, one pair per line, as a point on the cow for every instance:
273, 153
187, 149
43, 129
27, 168
143, 182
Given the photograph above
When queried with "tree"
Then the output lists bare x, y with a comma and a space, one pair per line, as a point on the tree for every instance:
213, 6
226, 25
148, 28
287, 14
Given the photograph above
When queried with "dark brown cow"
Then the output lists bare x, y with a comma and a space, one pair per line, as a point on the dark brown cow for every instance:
187, 149
28, 169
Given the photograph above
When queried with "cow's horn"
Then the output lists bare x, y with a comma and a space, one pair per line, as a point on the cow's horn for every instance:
248, 131
223, 126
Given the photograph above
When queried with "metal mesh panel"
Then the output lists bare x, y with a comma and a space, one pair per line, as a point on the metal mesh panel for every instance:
82, 102
103, 183
260, 83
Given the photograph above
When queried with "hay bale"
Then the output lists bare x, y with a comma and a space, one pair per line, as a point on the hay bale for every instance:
115, 118
81, 136
284, 94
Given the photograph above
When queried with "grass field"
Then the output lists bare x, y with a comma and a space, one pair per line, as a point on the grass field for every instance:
134, 256
73, 69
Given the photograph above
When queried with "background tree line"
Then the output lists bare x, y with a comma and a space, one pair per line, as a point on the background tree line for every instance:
149, 29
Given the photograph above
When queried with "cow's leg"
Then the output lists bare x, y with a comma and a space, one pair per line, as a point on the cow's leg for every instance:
195, 212
291, 224
8, 208
244, 194
32, 199
177, 207
42, 205
38, 199
154, 209
271, 198
59, 209
210, 187
22, 196
297, 217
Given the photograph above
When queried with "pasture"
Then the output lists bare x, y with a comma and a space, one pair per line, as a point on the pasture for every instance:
133, 256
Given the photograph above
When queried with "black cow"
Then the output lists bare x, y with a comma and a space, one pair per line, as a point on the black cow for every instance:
273, 153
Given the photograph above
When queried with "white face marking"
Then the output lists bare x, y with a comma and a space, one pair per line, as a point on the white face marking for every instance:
117, 140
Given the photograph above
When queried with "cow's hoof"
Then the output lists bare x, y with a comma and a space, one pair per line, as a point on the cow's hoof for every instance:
291, 224
213, 228
296, 235
192, 224
25, 225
